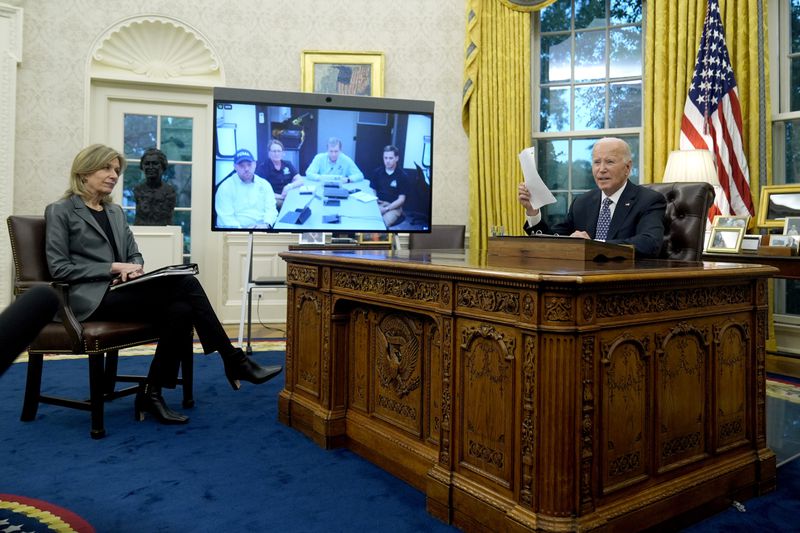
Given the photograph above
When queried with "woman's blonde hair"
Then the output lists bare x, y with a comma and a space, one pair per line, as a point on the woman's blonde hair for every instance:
91, 159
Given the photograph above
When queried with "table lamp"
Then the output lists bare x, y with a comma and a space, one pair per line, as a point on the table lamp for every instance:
691, 165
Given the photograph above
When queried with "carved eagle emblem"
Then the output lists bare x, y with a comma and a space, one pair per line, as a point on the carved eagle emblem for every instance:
396, 362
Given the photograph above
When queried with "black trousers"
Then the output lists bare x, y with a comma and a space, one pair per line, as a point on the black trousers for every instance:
174, 305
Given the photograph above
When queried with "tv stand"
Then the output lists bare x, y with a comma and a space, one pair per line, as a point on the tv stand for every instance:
247, 294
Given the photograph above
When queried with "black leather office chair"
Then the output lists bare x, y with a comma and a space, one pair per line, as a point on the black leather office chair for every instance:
685, 218
99, 340
443, 236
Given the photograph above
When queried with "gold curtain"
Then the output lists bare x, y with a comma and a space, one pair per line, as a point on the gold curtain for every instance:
672, 37
496, 110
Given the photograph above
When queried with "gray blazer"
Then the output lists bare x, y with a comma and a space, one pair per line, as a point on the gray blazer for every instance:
78, 250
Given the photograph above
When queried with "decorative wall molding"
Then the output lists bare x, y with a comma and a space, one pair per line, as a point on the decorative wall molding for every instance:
10, 58
156, 49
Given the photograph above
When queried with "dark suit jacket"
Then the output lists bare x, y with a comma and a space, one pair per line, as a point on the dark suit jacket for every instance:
638, 219
78, 250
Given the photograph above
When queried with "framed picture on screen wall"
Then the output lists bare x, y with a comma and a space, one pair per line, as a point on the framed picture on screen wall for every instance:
352, 73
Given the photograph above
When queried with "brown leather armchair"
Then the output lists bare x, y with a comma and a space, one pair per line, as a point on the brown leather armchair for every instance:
685, 218
100, 341
442, 236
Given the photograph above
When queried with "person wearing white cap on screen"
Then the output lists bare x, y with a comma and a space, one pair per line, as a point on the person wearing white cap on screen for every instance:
245, 200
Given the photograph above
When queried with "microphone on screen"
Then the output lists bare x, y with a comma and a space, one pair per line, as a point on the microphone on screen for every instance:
23, 320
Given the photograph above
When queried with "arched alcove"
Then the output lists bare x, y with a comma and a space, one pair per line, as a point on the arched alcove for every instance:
155, 49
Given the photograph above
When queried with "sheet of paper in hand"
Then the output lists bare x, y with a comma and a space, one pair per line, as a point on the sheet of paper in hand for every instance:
540, 194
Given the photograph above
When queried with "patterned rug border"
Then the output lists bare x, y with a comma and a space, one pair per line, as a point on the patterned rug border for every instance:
783, 390
30, 511
258, 345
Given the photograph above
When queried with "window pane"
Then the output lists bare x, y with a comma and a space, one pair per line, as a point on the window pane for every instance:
180, 177
626, 11
590, 107
792, 150
794, 87
590, 14
554, 109
626, 49
590, 55
133, 176
557, 17
795, 26
556, 54
633, 142
625, 105
553, 160
557, 212
176, 138
582, 164
140, 134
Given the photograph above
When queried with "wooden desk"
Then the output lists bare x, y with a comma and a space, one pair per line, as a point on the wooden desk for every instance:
540, 395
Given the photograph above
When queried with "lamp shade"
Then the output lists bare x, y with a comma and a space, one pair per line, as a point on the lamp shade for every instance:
691, 165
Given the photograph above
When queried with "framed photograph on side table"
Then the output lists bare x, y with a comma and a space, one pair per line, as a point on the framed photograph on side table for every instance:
731, 221
374, 238
787, 241
725, 240
778, 202
791, 226
356, 73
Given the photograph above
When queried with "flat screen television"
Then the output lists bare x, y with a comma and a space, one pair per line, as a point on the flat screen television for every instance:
308, 162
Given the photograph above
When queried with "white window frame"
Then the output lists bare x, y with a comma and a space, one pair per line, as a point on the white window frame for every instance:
572, 135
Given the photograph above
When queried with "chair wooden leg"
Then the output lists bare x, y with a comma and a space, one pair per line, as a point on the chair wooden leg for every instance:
187, 376
33, 387
96, 393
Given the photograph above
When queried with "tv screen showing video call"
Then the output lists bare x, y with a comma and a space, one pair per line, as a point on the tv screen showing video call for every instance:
306, 162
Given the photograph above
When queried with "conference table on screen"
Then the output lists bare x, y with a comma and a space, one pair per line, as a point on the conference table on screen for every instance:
353, 213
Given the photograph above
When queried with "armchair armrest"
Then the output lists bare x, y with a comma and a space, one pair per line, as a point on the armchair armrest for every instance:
71, 323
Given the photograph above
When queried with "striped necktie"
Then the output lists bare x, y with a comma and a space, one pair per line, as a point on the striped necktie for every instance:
604, 220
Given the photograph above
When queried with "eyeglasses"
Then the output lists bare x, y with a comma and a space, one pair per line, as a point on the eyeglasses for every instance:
276, 150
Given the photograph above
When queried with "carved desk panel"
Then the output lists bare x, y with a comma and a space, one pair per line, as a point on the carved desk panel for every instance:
548, 395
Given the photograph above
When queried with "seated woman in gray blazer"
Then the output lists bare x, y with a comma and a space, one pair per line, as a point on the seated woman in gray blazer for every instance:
89, 245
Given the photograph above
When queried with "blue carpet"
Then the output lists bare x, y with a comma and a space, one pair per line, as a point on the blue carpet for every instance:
234, 467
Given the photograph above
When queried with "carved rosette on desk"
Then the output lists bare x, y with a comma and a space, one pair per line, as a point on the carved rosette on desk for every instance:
590, 398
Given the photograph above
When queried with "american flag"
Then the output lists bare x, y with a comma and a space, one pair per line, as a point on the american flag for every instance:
712, 117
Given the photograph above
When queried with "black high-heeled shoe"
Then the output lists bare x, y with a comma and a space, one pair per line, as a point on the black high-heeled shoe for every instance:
149, 400
240, 367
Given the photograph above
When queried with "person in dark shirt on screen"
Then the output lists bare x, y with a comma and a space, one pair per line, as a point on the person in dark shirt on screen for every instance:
391, 186
279, 172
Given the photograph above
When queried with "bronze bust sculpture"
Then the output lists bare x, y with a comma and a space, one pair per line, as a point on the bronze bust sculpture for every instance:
155, 199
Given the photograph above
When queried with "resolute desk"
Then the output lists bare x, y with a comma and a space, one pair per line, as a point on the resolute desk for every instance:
525, 394
353, 213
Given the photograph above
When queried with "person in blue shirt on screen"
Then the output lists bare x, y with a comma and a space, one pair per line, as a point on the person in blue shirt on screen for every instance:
333, 164
245, 200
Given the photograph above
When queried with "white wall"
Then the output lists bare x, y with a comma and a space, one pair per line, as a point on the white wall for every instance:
260, 44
